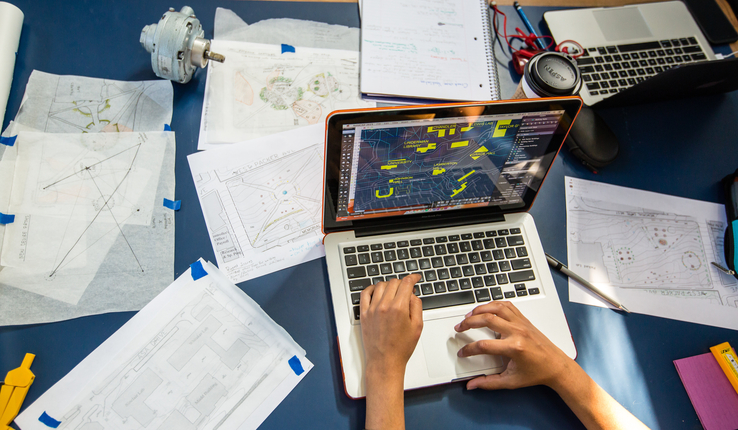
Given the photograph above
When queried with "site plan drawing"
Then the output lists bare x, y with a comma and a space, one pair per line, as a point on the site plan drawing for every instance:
262, 201
267, 89
201, 355
90, 225
406, 166
76, 104
646, 248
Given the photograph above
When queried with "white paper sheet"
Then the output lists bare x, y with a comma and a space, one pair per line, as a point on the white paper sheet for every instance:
201, 355
90, 226
77, 104
295, 32
262, 201
11, 23
261, 90
650, 251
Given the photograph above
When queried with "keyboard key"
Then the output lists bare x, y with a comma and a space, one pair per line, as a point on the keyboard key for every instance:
399, 267
477, 245
509, 294
416, 242
377, 257
357, 312
355, 298
426, 289
498, 254
441, 239
428, 241
437, 262
389, 245
521, 293
482, 295
444, 300
453, 248
638, 46
385, 268
390, 256
533, 291
486, 255
403, 254
467, 236
468, 270
522, 252
372, 270
455, 272
492, 268
449, 260
699, 57
523, 263
489, 280
359, 284
465, 284
489, 243
480, 269
510, 253
474, 257
502, 278
376, 246
465, 246
364, 259
356, 272
462, 259
452, 285
430, 275
349, 250
362, 248
515, 230
443, 274
415, 253
500, 242
351, 260
439, 287
496, 293
403, 244
519, 287
388, 277
377, 279
505, 266
416, 289
454, 237
503, 232
440, 249
477, 282
525, 275
490, 233
428, 251
424, 263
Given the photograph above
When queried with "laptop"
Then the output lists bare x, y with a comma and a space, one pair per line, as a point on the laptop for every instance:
441, 190
626, 45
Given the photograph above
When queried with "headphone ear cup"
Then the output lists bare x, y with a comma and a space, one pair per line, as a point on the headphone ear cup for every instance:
591, 140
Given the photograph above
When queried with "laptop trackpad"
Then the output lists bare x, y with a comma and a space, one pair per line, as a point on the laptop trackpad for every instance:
622, 23
441, 343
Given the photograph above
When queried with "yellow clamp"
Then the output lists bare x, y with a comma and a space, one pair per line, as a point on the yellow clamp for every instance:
728, 361
14, 390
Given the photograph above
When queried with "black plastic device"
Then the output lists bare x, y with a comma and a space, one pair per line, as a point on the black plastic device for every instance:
712, 21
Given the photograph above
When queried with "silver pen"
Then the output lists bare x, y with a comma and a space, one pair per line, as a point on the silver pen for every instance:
556, 264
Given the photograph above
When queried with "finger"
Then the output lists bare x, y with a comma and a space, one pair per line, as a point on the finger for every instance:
407, 285
499, 308
366, 299
416, 309
390, 291
486, 346
489, 382
489, 320
378, 293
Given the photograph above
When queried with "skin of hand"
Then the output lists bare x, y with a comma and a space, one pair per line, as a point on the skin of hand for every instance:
535, 360
391, 323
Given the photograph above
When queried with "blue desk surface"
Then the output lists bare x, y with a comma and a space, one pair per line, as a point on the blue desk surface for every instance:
681, 148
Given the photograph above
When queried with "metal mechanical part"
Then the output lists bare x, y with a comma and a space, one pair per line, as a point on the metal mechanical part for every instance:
177, 45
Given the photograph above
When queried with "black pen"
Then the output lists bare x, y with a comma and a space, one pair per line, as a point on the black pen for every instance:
556, 264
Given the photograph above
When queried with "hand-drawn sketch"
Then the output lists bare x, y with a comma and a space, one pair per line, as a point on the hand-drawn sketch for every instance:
263, 214
632, 242
89, 218
202, 355
263, 90
76, 104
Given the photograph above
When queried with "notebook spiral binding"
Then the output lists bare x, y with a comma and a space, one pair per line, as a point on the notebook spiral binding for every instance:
489, 50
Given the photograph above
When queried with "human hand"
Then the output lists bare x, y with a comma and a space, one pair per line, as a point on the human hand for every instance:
533, 358
391, 322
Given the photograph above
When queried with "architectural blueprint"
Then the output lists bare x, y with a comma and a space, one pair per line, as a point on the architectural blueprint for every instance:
90, 225
267, 89
76, 104
649, 249
201, 355
262, 201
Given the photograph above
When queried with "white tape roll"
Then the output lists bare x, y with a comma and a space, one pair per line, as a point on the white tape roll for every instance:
11, 22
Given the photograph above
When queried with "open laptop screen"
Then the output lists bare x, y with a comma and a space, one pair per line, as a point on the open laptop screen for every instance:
430, 160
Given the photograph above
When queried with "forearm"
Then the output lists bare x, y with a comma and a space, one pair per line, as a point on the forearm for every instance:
385, 400
594, 407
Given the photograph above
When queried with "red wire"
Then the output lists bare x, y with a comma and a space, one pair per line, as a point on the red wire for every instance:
521, 35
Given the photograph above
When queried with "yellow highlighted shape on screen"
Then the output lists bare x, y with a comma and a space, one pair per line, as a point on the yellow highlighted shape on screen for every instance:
380, 196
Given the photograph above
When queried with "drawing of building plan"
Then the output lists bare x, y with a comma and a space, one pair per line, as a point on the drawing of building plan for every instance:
201, 355
90, 225
76, 104
650, 251
262, 201
262, 90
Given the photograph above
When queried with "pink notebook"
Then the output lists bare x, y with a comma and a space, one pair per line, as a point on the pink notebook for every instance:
712, 396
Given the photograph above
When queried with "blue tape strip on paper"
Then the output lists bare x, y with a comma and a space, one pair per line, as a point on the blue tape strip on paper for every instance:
8, 141
296, 365
197, 271
173, 204
287, 48
6, 219
50, 422
167, 127
735, 244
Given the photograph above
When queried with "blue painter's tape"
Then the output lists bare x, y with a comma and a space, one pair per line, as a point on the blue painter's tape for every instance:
6, 219
8, 141
167, 127
735, 244
287, 48
50, 422
296, 365
197, 271
173, 204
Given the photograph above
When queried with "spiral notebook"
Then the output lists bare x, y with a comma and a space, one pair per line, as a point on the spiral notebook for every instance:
416, 51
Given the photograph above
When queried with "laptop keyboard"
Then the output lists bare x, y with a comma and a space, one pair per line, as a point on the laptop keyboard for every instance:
607, 70
455, 269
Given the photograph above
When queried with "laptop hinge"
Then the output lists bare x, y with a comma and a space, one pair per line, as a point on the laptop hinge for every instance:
378, 228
